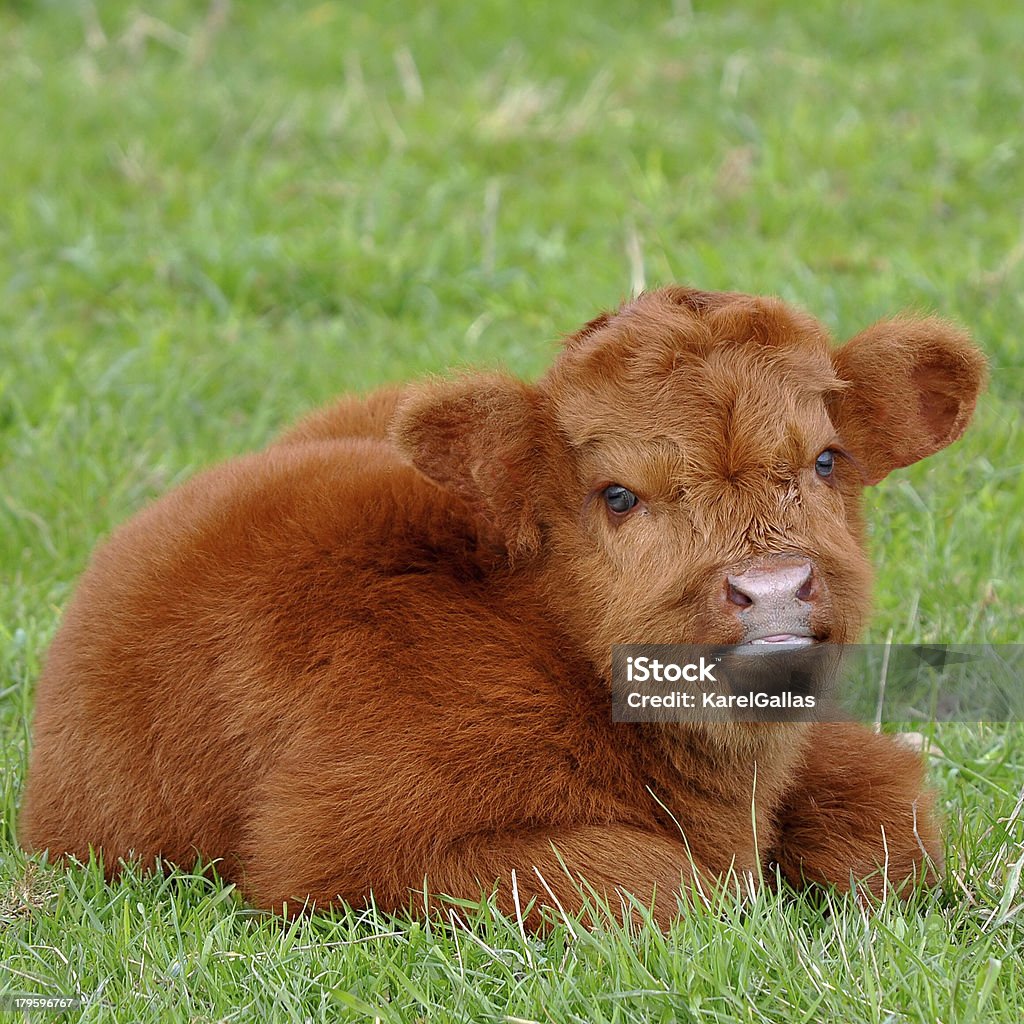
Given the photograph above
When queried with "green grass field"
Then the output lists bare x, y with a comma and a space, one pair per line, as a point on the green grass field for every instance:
214, 218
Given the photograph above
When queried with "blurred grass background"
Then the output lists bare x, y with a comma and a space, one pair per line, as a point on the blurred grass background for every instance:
215, 216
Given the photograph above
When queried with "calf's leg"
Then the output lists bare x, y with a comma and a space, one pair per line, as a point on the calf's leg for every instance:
548, 864
557, 868
858, 811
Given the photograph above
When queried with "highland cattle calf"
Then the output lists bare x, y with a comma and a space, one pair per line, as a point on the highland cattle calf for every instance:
372, 661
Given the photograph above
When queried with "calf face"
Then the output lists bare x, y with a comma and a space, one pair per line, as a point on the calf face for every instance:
689, 470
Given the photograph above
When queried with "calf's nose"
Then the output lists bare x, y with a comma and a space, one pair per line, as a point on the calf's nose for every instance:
777, 583
773, 599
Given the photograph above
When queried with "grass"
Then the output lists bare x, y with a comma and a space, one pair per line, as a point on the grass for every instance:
214, 218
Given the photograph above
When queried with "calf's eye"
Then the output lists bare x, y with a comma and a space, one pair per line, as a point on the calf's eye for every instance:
619, 499
825, 463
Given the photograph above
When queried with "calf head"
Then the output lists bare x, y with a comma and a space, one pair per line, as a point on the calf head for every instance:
689, 470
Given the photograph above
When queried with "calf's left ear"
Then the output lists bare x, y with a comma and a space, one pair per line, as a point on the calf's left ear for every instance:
911, 387
476, 437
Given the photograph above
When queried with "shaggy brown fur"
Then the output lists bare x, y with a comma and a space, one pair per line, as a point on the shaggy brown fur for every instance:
373, 659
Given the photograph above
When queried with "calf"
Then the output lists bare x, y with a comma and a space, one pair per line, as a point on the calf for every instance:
372, 661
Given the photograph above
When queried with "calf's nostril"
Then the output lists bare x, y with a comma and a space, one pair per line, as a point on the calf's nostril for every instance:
806, 591
735, 595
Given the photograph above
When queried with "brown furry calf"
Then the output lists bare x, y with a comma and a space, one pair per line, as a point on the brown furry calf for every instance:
374, 658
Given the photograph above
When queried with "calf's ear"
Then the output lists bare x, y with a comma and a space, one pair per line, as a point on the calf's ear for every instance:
911, 387
476, 437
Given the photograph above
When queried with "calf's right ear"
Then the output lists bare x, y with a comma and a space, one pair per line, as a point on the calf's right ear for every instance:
911, 388
477, 437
